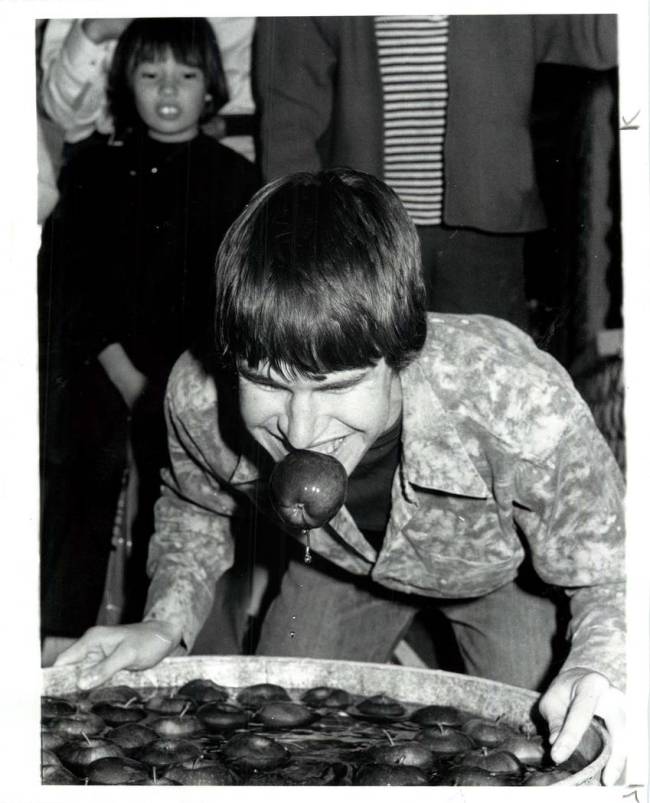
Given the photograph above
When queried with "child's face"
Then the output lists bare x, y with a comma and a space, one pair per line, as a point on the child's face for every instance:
169, 97
341, 414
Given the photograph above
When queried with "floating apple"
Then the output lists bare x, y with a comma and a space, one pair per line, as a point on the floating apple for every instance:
113, 771
254, 751
78, 755
260, 693
496, 761
78, 724
411, 754
113, 694
445, 740
223, 716
385, 775
52, 740
202, 772
439, 715
132, 735
118, 713
529, 750
167, 704
308, 488
57, 776
285, 714
326, 697
381, 706
49, 758
55, 708
203, 691
486, 731
181, 725
164, 752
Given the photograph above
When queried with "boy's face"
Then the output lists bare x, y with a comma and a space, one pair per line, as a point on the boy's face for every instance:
341, 413
169, 97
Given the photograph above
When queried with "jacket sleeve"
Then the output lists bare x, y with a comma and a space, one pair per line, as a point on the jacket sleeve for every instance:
572, 515
577, 40
73, 91
293, 77
192, 545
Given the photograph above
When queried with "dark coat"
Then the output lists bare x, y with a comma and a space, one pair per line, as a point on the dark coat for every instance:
127, 257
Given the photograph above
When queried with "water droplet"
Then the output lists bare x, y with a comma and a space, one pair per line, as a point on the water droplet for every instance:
307, 547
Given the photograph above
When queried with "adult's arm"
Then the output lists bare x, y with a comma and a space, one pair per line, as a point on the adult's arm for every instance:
73, 91
293, 78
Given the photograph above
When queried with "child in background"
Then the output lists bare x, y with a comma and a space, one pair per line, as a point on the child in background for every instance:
124, 287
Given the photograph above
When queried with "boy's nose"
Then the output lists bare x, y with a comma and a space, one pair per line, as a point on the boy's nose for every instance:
301, 421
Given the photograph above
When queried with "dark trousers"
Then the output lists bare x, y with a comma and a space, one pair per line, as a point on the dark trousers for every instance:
470, 272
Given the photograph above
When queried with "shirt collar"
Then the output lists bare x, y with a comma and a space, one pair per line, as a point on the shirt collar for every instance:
433, 455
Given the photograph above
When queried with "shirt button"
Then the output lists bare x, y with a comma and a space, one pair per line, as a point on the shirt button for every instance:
154, 169
443, 582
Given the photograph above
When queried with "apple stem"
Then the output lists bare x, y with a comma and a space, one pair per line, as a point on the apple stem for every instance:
186, 708
130, 702
389, 737
86, 737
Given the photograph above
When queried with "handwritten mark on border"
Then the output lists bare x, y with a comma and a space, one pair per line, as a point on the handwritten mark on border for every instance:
633, 792
628, 124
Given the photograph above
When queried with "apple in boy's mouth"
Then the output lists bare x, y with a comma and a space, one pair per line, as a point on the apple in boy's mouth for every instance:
308, 488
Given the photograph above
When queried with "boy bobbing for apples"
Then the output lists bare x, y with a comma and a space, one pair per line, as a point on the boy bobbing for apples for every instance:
466, 449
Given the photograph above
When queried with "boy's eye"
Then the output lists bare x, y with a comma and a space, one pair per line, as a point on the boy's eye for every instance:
149, 74
188, 74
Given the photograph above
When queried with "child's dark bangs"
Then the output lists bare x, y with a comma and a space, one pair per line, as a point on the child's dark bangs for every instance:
158, 44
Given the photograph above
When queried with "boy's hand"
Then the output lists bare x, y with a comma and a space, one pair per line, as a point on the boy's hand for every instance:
103, 651
574, 697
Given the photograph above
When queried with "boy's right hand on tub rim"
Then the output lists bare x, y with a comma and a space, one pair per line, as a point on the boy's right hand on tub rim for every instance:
103, 651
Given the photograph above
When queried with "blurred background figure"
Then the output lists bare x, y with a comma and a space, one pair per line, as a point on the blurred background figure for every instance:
125, 276
440, 108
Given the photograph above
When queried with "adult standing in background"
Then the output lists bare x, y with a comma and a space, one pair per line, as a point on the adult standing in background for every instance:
76, 56
439, 108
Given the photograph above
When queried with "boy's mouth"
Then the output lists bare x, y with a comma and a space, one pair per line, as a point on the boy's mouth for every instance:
329, 447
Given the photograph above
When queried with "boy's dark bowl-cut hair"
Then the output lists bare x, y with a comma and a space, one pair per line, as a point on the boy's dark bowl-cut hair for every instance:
320, 273
191, 40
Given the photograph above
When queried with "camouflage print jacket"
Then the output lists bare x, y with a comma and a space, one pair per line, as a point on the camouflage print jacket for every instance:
500, 457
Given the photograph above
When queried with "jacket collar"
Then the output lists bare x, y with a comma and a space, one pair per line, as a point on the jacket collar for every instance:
433, 455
